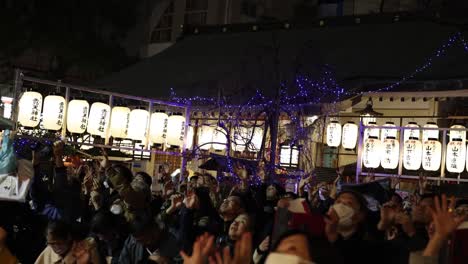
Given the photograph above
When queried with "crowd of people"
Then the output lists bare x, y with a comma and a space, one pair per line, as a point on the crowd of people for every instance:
101, 212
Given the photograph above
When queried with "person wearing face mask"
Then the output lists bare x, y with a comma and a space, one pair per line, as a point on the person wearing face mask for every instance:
299, 247
347, 230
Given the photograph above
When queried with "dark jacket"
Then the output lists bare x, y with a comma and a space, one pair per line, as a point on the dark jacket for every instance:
135, 253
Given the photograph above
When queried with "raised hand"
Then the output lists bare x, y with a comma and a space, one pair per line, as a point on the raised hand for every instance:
445, 223
202, 249
387, 216
265, 244
444, 220
242, 252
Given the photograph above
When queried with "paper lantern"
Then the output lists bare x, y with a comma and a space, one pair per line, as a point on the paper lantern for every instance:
98, 122
77, 116
457, 134
411, 133
432, 154
349, 135
389, 131
333, 134
433, 134
190, 134
257, 137
30, 105
412, 154
456, 156
205, 137
137, 125
390, 153
175, 130
368, 119
372, 152
371, 132
53, 112
219, 139
158, 128
120, 118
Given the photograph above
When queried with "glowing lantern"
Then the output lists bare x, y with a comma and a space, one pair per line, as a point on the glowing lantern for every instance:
371, 132
30, 106
390, 153
137, 124
205, 137
411, 133
119, 122
457, 134
175, 130
98, 122
333, 134
372, 152
412, 154
427, 134
219, 139
349, 135
389, 131
456, 156
77, 116
432, 154
53, 113
158, 128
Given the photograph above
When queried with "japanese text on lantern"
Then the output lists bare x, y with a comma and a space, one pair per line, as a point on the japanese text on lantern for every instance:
182, 131
84, 118
165, 128
60, 113
409, 153
428, 158
102, 121
35, 110
127, 122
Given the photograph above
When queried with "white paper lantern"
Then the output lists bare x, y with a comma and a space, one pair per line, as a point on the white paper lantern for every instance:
120, 118
333, 134
219, 139
77, 116
257, 138
389, 131
372, 152
289, 156
456, 156
205, 137
367, 119
137, 125
411, 133
158, 128
190, 134
457, 134
433, 134
175, 130
53, 112
412, 154
432, 154
390, 153
98, 122
371, 132
349, 135
30, 105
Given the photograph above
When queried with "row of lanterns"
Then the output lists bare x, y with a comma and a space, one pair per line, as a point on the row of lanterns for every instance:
386, 150
99, 117
124, 123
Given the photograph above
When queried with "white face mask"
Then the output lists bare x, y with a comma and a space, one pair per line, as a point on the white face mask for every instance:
281, 258
116, 209
345, 214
